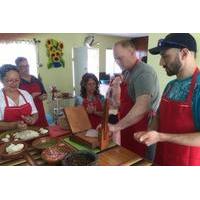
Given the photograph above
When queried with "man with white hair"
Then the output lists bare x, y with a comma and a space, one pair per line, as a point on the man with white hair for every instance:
139, 96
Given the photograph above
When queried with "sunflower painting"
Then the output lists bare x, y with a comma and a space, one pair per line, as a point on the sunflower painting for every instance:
55, 53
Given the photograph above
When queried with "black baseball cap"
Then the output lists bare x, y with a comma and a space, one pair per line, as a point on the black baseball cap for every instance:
175, 40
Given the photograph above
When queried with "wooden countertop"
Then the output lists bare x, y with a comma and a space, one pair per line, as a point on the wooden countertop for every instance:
114, 156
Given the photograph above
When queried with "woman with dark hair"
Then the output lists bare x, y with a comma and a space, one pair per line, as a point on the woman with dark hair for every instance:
17, 109
35, 87
91, 99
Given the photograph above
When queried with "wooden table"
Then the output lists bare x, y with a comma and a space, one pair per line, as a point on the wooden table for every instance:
120, 156
114, 156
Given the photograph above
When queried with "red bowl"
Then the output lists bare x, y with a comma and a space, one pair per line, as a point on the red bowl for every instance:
55, 154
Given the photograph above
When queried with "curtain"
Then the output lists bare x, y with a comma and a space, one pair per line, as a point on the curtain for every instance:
10, 50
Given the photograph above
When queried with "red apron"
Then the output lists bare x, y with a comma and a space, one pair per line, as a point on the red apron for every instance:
176, 117
14, 113
34, 87
127, 138
94, 119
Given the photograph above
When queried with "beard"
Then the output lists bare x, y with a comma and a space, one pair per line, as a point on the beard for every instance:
174, 67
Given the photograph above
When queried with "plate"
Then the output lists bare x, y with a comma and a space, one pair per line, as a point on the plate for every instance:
44, 142
5, 154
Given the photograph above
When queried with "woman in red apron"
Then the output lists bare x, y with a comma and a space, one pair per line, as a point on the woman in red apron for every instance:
35, 87
91, 99
15, 113
97, 105
18, 112
177, 117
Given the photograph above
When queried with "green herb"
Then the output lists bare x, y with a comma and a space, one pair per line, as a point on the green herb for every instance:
46, 144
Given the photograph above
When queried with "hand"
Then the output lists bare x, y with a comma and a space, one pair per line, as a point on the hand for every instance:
117, 81
21, 125
98, 128
28, 119
91, 109
35, 94
113, 128
148, 138
43, 97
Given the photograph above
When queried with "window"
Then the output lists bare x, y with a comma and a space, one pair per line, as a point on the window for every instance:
93, 61
9, 51
141, 54
111, 66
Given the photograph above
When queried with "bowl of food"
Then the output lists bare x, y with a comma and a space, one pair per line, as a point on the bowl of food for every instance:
12, 149
80, 158
5, 138
25, 135
29, 134
55, 154
44, 142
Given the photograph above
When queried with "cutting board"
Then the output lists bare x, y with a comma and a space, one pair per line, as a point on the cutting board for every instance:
77, 118
118, 156
91, 142
79, 123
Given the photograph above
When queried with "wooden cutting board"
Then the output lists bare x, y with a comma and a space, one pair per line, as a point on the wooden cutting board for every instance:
77, 118
91, 142
79, 123
118, 156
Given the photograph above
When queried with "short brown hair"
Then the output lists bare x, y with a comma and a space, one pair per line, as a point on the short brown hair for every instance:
125, 43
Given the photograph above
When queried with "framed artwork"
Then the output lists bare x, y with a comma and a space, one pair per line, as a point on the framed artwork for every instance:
55, 53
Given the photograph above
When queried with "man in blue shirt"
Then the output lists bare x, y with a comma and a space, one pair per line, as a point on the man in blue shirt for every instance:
177, 123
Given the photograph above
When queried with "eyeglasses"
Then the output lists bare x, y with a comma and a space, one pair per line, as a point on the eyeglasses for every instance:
165, 43
12, 81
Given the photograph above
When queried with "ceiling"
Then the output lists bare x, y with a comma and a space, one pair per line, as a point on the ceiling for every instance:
130, 35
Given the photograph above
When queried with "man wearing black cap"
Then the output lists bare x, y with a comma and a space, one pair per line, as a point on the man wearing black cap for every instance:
178, 130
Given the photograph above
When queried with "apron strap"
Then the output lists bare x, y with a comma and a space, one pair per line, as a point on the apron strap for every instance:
192, 86
167, 91
6, 99
23, 96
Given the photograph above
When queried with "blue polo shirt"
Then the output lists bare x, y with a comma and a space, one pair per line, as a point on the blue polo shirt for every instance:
179, 91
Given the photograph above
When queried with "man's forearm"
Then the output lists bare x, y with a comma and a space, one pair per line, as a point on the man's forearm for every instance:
130, 119
138, 111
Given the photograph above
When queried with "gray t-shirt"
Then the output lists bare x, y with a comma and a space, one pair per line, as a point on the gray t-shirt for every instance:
142, 79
